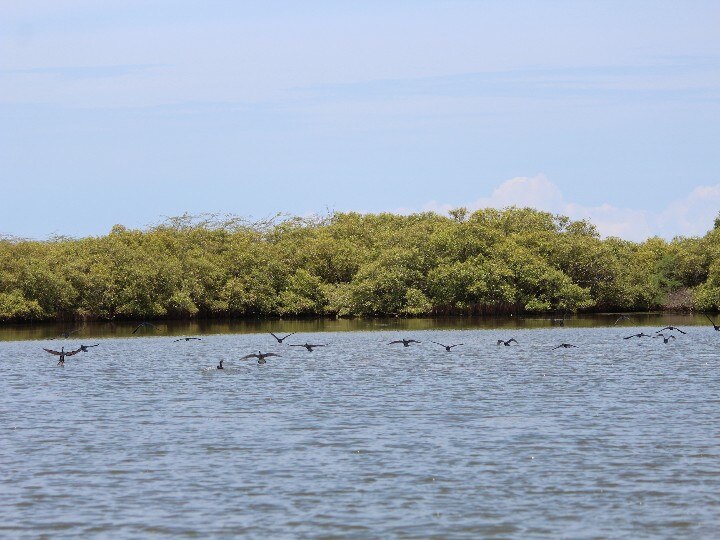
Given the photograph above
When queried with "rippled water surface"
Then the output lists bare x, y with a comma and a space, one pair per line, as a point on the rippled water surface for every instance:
142, 436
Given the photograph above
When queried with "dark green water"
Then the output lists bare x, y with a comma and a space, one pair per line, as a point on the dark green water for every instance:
43, 331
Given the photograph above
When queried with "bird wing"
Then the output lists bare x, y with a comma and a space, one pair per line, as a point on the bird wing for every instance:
296, 345
291, 334
317, 345
512, 339
436, 343
412, 341
680, 331
559, 346
176, 340
500, 341
273, 335
57, 353
456, 345
709, 319
629, 337
97, 344
271, 354
249, 356
137, 328
71, 353
391, 343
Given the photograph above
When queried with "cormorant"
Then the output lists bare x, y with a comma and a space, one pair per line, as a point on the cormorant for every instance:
671, 328
641, 334
67, 334
84, 348
565, 346
139, 326
665, 338
447, 347
281, 339
187, 339
309, 346
260, 356
405, 342
219, 366
506, 343
621, 318
62, 354
715, 326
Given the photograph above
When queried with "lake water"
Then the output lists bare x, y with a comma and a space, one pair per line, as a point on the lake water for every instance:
142, 436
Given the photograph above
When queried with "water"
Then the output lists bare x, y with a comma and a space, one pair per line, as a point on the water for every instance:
143, 437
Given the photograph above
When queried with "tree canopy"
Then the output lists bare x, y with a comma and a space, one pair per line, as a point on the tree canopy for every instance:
490, 261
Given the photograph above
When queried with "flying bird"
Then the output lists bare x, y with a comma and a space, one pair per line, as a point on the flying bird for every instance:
281, 339
621, 318
447, 347
62, 354
641, 334
564, 346
142, 324
715, 326
187, 339
260, 356
671, 328
84, 348
665, 338
66, 335
405, 342
309, 346
506, 343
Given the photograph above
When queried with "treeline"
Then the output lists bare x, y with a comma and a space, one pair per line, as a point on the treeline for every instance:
348, 264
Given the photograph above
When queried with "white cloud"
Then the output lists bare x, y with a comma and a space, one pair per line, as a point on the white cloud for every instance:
689, 216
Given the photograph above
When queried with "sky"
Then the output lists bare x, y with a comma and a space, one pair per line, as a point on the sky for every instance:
128, 111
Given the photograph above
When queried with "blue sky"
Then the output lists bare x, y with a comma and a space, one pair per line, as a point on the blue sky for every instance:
127, 111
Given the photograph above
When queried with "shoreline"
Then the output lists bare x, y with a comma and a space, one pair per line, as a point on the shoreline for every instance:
178, 327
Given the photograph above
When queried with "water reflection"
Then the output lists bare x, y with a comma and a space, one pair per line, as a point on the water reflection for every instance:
44, 331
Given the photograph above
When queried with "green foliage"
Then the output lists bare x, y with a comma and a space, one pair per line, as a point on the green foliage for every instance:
489, 261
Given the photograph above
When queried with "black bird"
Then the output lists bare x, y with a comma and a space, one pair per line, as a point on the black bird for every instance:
665, 338
84, 348
281, 339
447, 347
564, 346
621, 318
219, 366
67, 334
139, 326
508, 342
62, 354
405, 342
187, 339
309, 346
715, 326
561, 322
641, 334
260, 356
671, 328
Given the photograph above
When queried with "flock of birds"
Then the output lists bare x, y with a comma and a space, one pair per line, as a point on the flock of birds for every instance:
310, 347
